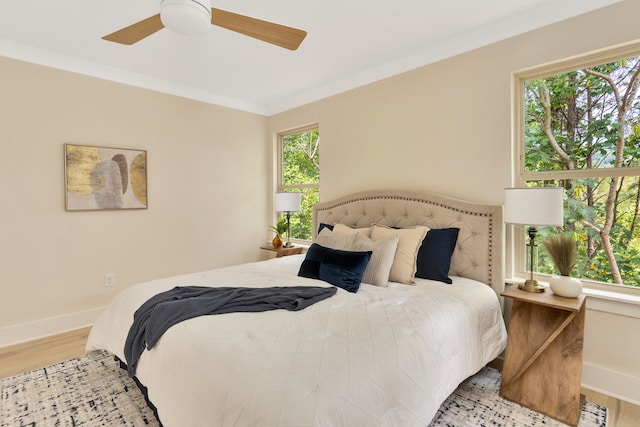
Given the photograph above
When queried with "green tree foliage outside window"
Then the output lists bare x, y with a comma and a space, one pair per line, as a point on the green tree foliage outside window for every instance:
582, 132
301, 172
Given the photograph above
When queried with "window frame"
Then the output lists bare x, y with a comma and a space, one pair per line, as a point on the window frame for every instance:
518, 241
281, 187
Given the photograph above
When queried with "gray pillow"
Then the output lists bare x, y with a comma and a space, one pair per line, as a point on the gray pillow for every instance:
384, 252
328, 239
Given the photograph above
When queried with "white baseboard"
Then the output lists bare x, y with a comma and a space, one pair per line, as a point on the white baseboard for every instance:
612, 383
24, 332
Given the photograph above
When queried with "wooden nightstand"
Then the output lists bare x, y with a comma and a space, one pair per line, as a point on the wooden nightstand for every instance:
543, 360
293, 250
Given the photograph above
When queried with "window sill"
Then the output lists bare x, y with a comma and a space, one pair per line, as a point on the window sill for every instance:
613, 302
299, 242
619, 303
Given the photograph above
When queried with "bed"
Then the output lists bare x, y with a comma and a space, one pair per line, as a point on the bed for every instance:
382, 356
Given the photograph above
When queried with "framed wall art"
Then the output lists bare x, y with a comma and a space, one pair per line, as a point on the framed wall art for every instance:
101, 178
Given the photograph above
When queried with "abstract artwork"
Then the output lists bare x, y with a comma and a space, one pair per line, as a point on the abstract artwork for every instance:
100, 178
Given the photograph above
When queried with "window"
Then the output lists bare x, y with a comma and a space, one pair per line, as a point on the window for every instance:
580, 129
299, 170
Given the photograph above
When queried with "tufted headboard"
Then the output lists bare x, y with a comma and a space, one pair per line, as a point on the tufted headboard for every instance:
479, 252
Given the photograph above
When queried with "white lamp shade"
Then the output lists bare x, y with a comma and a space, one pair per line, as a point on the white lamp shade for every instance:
536, 206
186, 17
287, 202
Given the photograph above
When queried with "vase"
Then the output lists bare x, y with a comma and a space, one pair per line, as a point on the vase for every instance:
565, 286
276, 242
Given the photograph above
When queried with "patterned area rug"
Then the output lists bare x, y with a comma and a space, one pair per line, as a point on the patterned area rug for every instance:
476, 403
94, 391
85, 391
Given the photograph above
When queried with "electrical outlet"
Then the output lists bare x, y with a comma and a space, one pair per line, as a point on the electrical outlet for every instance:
110, 279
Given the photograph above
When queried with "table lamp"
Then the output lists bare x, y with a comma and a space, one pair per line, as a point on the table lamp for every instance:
288, 202
533, 207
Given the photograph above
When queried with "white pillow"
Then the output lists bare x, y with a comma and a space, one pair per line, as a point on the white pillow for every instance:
328, 239
345, 229
383, 254
404, 263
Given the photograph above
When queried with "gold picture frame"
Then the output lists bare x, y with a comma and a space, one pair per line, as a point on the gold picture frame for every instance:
103, 178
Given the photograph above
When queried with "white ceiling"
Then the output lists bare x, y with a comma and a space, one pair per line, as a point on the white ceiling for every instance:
349, 43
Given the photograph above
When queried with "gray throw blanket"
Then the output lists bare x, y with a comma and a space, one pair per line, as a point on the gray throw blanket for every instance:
168, 308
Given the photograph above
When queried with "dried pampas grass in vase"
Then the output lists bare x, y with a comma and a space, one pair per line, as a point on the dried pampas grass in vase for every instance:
562, 251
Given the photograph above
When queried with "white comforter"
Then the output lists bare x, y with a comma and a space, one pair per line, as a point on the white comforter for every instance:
381, 357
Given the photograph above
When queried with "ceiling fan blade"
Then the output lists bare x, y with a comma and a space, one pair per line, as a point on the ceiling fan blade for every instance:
280, 35
136, 32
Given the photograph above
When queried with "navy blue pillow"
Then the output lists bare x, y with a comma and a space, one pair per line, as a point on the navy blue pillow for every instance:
340, 268
323, 225
434, 255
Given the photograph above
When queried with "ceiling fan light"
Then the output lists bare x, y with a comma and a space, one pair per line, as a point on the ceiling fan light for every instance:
186, 17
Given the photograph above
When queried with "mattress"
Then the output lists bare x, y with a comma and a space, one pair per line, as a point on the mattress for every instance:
379, 357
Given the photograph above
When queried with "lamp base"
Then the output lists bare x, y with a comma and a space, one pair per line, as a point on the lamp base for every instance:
531, 286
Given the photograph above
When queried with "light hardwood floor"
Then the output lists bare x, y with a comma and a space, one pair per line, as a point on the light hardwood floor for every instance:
43, 352
46, 351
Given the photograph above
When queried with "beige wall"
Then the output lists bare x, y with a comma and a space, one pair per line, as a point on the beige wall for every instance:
431, 128
207, 193
447, 127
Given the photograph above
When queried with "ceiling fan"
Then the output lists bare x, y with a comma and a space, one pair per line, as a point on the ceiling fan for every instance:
189, 17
